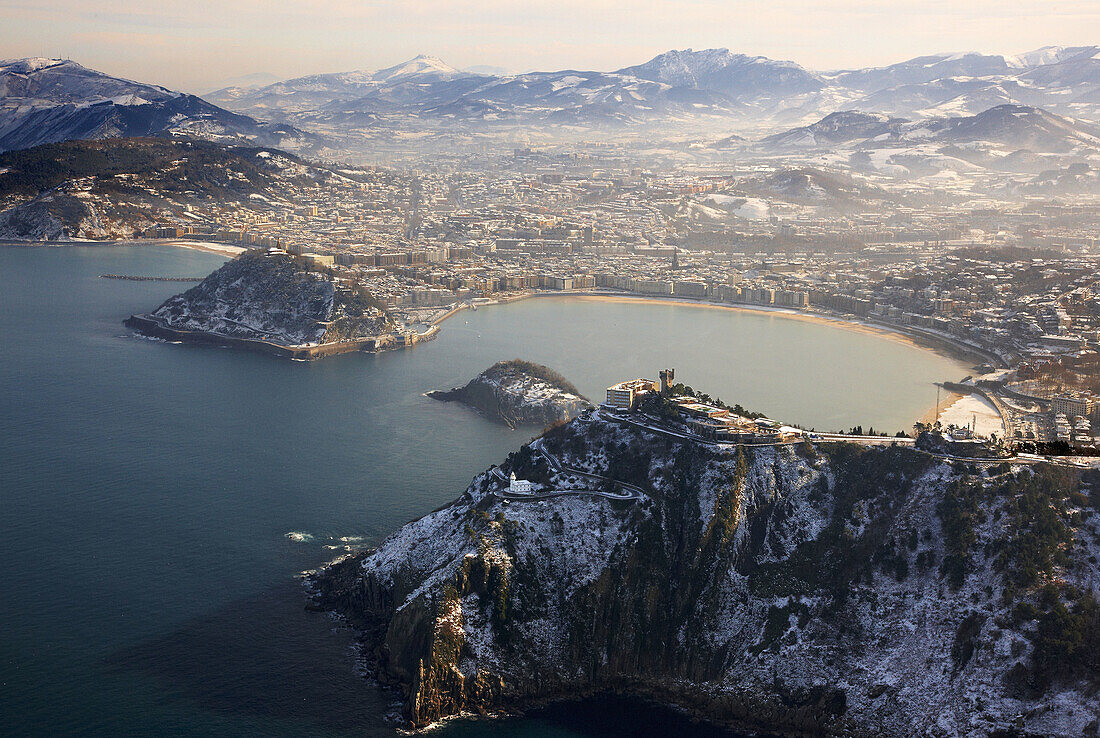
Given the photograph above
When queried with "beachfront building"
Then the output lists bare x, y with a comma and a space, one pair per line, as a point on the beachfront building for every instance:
1071, 405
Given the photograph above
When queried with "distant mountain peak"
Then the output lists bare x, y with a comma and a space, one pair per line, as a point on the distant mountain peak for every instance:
66, 81
50, 100
1047, 55
33, 64
421, 64
722, 71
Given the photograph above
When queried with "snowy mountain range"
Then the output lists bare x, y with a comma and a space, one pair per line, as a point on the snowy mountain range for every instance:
1050, 90
51, 100
1011, 126
688, 84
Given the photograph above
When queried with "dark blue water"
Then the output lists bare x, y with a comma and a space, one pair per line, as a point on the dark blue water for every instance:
147, 489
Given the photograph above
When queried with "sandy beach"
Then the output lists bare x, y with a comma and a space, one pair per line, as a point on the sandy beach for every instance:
208, 246
850, 325
976, 410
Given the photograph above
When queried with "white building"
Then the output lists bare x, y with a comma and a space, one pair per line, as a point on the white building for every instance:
520, 486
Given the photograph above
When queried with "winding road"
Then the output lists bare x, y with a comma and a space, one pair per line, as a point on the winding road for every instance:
629, 491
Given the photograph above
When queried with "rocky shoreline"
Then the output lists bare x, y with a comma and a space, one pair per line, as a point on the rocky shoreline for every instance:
274, 303
337, 589
795, 590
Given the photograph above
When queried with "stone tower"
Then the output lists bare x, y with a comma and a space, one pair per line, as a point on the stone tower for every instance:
667, 375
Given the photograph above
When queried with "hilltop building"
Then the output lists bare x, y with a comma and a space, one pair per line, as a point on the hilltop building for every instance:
666, 375
625, 395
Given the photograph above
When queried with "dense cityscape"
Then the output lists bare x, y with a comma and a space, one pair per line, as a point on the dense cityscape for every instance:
621, 390
1009, 284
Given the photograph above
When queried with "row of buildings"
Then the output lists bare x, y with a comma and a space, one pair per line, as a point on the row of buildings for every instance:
705, 420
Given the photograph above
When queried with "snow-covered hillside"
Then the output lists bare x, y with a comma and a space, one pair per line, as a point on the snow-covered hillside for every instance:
796, 590
51, 100
518, 392
271, 297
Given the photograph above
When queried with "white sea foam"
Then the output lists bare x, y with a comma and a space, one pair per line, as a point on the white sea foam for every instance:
298, 537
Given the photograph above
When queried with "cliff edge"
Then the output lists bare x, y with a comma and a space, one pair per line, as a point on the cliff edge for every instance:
799, 589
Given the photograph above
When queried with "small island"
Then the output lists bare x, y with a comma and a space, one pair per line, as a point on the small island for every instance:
271, 301
517, 393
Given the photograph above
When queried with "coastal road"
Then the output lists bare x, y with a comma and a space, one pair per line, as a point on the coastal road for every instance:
630, 492
634, 493
821, 437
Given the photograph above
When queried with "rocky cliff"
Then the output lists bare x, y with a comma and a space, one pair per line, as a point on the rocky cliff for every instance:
276, 298
798, 589
519, 392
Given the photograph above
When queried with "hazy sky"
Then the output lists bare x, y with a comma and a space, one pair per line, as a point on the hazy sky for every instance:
194, 44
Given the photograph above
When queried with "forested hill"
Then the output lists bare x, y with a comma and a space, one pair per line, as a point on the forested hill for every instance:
115, 187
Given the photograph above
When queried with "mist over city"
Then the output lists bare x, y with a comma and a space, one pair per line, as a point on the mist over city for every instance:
551, 369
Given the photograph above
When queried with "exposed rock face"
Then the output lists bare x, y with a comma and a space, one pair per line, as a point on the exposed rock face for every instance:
793, 589
518, 392
272, 298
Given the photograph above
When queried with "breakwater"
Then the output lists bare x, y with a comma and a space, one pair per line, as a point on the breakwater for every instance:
135, 278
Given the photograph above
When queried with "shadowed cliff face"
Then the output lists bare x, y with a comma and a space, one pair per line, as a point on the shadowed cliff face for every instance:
786, 589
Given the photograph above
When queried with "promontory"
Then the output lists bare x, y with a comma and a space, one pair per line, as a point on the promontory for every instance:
779, 584
274, 302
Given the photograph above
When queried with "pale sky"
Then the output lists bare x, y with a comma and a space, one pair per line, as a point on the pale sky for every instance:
194, 44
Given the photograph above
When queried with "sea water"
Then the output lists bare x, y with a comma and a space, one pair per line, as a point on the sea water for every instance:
159, 500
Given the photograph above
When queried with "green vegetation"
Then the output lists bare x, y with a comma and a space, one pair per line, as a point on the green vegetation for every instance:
357, 312
966, 639
1067, 638
680, 389
660, 406
1033, 507
727, 515
1038, 536
777, 623
869, 484
959, 511
359, 299
526, 464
